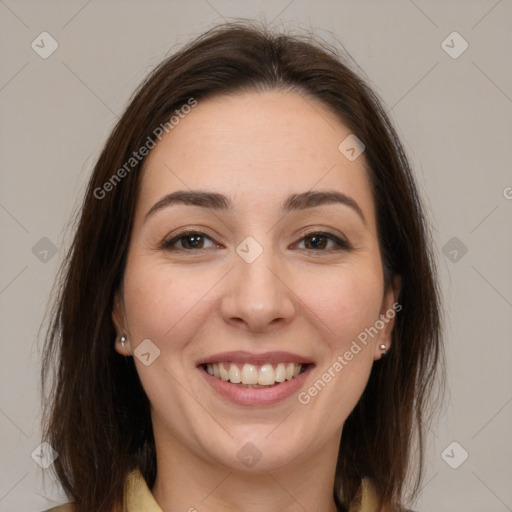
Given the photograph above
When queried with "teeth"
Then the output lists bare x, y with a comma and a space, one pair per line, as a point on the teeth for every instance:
224, 374
249, 374
266, 376
253, 375
234, 374
280, 372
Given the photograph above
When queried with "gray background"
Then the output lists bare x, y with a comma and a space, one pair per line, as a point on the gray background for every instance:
454, 117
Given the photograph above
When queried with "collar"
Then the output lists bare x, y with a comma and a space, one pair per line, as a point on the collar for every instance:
139, 497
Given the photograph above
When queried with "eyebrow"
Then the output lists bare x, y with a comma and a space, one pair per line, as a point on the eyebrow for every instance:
216, 201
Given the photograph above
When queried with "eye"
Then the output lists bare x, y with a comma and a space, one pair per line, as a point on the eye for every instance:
188, 241
323, 242
317, 241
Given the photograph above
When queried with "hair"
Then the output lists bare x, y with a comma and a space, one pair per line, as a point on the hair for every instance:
96, 413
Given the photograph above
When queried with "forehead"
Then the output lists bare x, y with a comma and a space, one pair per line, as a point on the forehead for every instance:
255, 147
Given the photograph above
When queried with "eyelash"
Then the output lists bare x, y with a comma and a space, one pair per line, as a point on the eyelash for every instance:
343, 245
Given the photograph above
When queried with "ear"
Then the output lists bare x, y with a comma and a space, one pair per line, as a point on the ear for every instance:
119, 320
389, 309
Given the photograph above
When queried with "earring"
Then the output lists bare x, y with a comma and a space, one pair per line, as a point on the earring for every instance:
383, 347
123, 340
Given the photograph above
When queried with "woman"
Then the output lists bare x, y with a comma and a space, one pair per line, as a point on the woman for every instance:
248, 318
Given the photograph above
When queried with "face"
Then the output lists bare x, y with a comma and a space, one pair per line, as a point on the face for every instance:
254, 256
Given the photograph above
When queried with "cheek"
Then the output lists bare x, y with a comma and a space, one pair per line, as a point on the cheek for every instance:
168, 308
168, 305
345, 302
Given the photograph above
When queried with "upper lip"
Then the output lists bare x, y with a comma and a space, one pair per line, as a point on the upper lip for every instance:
255, 359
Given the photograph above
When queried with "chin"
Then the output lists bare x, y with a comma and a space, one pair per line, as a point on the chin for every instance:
257, 449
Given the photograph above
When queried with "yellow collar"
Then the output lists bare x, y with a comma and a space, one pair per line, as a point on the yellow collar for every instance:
139, 497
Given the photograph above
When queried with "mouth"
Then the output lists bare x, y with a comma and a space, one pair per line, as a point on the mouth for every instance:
250, 379
248, 375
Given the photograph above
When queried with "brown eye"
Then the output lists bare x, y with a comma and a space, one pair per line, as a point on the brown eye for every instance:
188, 242
192, 242
324, 242
316, 242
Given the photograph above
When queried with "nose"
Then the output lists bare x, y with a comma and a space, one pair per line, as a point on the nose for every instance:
258, 297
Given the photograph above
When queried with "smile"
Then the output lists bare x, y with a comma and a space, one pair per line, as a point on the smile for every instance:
254, 376
248, 379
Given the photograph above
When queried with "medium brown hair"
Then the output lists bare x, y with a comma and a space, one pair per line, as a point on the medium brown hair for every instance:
96, 411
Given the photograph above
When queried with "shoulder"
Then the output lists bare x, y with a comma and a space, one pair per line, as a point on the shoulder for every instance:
366, 500
67, 507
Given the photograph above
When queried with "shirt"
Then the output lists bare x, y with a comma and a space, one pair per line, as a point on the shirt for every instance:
140, 499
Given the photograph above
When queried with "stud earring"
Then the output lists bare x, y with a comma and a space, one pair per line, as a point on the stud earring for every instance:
383, 347
123, 340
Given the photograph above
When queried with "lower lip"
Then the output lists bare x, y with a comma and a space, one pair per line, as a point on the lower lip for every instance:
256, 396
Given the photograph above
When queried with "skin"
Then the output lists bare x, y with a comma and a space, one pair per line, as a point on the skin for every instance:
256, 148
